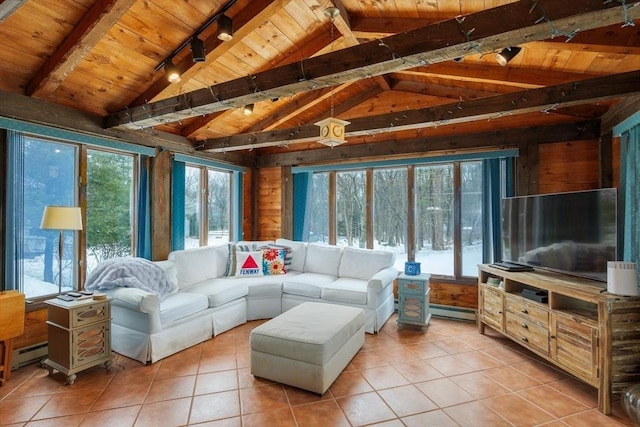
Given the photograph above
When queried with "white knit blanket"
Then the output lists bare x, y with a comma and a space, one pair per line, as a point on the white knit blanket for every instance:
130, 272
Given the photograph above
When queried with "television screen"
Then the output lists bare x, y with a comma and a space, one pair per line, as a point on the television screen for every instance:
573, 233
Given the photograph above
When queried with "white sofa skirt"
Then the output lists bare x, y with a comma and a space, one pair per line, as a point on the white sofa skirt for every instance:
374, 316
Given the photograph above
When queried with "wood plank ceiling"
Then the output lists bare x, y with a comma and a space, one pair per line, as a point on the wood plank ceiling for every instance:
397, 69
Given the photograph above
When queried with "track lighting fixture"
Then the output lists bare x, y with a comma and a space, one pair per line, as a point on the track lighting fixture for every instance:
198, 50
507, 54
172, 72
247, 110
225, 28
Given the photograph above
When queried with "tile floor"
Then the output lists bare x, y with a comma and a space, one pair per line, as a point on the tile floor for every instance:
449, 375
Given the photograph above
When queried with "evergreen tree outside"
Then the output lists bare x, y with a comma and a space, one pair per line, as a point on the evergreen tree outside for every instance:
109, 206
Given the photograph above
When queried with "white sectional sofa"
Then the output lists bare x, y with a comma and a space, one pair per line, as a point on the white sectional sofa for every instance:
210, 300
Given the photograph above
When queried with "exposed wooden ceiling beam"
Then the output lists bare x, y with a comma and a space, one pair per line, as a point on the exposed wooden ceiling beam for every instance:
445, 40
245, 22
33, 110
485, 73
621, 111
543, 99
502, 138
93, 26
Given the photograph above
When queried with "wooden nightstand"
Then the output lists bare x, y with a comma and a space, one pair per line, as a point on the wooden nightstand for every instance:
413, 300
79, 336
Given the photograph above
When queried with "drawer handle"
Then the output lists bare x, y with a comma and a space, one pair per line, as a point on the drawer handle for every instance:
524, 325
525, 311
525, 339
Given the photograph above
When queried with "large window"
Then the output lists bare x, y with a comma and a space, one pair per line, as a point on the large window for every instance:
443, 221
44, 173
110, 206
207, 207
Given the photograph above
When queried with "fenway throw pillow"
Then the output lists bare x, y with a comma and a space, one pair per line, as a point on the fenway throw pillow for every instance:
249, 264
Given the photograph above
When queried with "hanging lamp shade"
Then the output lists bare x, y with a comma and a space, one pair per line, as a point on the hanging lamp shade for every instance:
507, 54
332, 132
198, 50
172, 72
225, 28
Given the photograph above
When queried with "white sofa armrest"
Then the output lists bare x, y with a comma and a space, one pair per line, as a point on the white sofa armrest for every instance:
134, 299
382, 278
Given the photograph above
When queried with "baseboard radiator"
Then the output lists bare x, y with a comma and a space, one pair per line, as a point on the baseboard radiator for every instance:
27, 355
451, 312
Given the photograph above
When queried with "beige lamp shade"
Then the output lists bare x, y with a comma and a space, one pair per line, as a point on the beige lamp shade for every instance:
62, 218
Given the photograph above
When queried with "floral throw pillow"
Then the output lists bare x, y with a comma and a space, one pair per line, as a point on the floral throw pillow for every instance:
273, 261
249, 264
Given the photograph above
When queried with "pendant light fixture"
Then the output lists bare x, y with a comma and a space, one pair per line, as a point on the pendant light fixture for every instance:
507, 54
198, 50
225, 28
172, 72
332, 131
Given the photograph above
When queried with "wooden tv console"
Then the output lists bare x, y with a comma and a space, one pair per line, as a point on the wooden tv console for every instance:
582, 329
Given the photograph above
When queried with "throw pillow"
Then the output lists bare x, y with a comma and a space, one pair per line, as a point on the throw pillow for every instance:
273, 261
249, 264
288, 254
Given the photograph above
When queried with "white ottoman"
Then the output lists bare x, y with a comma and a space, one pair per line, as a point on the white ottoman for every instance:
307, 346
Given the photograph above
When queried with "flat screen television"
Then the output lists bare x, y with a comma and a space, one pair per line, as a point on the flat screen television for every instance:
573, 233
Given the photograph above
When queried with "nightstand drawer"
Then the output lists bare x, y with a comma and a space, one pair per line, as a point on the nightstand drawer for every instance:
78, 314
407, 286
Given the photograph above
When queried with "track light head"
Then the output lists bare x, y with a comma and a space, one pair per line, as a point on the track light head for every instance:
172, 72
198, 50
247, 110
225, 28
507, 54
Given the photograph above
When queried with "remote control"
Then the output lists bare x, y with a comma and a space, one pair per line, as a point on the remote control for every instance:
65, 297
74, 294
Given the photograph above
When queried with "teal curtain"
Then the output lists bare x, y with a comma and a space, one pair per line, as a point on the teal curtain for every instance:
301, 202
177, 204
495, 188
14, 202
629, 201
143, 241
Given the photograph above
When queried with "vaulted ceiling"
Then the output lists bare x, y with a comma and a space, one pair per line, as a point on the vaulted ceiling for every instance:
396, 69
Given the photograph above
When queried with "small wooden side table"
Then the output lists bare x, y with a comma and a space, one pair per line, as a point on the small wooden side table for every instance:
413, 300
79, 336
11, 326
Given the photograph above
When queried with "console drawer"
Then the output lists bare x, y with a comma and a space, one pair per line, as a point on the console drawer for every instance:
532, 311
529, 333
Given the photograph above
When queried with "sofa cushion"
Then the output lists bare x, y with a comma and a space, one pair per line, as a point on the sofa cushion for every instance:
197, 264
249, 264
346, 290
170, 270
181, 304
222, 290
298, 252
322, 259
273, 261
363, 263
307, 284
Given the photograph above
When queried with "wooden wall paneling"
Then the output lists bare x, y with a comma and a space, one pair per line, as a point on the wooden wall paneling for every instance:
453, 294
523, 170
605, 153
286, 203
249, 204
161, 205
35, 329
570, 166
269, 204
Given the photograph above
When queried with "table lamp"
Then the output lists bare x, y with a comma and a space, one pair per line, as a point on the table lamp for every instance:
61, 218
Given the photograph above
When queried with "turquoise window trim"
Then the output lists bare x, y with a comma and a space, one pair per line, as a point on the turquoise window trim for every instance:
405, 162
48, 131
627, 124
209, 163
237, 188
